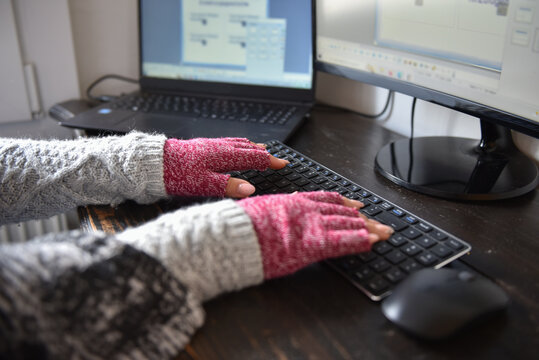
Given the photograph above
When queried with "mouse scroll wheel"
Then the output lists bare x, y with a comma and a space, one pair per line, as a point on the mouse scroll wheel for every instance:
466, 276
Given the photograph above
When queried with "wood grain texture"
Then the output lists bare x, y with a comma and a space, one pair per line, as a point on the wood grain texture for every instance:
316, 314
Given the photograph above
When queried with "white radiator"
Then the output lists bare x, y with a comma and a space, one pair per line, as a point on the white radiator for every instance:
27, 230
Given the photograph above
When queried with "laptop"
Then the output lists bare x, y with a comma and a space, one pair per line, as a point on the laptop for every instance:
217, 68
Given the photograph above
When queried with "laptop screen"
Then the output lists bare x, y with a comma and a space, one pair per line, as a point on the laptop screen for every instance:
250, 42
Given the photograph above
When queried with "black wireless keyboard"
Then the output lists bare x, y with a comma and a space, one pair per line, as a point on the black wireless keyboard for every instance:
416, 243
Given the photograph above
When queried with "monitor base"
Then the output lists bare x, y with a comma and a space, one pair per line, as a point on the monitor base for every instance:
458, 168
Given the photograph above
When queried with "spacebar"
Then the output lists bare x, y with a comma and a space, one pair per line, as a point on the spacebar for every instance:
391, 220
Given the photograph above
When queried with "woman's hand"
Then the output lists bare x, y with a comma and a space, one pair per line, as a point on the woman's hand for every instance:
298, 229
198, 167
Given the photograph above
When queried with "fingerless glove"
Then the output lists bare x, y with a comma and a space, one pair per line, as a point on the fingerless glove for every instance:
299, 229
198, 167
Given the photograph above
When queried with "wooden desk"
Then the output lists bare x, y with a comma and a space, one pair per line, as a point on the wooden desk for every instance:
316, 314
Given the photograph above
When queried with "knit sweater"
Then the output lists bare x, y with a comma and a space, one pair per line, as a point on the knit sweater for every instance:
132, 295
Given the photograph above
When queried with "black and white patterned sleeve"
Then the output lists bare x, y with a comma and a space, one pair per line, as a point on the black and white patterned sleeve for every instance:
79, 295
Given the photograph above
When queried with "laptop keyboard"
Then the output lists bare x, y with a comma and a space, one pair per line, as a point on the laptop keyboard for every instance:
213, 108
416, 243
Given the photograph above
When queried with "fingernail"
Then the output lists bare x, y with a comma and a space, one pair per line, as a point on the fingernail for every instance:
246, 189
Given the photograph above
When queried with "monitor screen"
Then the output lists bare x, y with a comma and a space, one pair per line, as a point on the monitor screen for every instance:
460, 53
480, 57
250, 42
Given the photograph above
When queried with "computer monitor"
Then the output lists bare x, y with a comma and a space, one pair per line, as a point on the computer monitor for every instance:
479, 57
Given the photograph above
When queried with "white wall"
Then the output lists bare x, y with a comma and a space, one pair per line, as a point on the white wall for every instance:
105, 35
13, 98
45, 39
106, 42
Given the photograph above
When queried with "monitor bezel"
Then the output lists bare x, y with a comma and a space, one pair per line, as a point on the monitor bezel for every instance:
484, 112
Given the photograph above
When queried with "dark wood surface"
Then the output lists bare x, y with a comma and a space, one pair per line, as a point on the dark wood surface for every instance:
316, 314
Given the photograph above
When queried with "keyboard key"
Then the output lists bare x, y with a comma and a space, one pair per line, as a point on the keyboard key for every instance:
386, 206
257, 180
382, 247
455, 244
411, 249
274, 178
375, 200
372, 210
267, 172
311, 187
377, 285
364, 273
264, 186
282, 183
426, 242
348, 262
394, 275
410, 219
379, 265
397, 240
397, 212
293, 164
285, 171
250, 174
442, 251
391, 220
310, 174
368, 256
293, 177
301, 182
438, 235
396, 257
328, 185
364, 193
410, 266
411, 233
424, 227
427, 259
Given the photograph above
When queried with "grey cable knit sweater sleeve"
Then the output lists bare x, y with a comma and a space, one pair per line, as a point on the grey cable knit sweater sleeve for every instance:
39, 179
134, 295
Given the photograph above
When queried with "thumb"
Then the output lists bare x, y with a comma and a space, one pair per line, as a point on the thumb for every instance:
238, 188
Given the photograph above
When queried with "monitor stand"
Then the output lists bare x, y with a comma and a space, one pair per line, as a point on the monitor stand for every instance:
460, 169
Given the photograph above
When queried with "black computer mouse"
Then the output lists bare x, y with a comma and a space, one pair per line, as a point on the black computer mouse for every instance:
435, 304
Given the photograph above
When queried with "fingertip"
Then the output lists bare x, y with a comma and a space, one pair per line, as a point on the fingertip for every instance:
237, 188
276, 163
352, 203
245, 189
384, 231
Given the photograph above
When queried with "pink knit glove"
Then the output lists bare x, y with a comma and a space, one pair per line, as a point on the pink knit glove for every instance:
299, 229
195, 167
